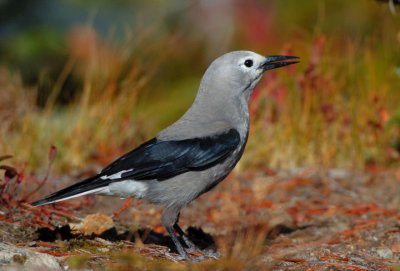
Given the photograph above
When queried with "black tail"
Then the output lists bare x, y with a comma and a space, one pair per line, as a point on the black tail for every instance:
79, 189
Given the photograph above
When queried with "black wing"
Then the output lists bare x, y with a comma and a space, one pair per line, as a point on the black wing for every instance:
161, 160
158, 160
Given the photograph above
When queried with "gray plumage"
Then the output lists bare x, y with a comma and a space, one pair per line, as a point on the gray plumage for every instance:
195, 153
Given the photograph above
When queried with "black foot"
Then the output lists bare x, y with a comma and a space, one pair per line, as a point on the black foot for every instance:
176, 257
210, 253
191, 247
190, 258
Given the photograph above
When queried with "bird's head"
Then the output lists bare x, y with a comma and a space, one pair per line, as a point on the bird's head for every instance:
237, 73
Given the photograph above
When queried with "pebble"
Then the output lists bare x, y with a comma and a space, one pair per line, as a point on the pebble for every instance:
385, 253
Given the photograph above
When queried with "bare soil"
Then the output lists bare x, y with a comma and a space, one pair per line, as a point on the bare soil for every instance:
305, 219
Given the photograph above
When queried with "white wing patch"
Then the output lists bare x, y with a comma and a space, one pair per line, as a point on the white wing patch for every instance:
124, 188
115, 175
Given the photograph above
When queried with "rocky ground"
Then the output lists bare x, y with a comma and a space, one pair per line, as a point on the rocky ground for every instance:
305, 219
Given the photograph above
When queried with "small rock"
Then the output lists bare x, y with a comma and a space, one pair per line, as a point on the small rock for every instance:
93, 224
102, 241
103, 249
385, 253
19, 258
16, 258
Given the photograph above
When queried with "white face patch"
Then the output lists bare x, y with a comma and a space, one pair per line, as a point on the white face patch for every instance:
251, 63
128, 188
115, 176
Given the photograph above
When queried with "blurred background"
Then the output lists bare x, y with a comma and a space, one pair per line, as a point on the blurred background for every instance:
96, 78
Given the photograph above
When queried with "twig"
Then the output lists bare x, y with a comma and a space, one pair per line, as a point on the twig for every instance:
51, 156
127, 203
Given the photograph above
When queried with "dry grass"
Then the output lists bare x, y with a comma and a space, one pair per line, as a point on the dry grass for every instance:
323, 112
100, 123
327, 112
338, 108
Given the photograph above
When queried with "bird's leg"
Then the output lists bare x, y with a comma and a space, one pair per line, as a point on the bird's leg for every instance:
185, 238
179, 247
192, 247
169, 218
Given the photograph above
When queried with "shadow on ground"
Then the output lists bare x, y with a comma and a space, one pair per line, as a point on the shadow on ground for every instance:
147, 236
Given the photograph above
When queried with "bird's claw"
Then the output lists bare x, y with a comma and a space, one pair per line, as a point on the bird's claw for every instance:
210, 253
190, 258
176, 257
207, 253
190, 246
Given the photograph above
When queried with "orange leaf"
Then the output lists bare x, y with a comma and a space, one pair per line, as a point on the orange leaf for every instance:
265, 204
333, 257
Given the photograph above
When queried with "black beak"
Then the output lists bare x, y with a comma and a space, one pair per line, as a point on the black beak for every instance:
273, 62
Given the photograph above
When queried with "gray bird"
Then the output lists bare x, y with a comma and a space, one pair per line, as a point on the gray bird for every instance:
195, 153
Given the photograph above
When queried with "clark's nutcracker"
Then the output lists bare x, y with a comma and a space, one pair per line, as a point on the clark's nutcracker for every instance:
195, 153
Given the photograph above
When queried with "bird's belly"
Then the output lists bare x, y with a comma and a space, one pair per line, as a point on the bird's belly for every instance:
182, 189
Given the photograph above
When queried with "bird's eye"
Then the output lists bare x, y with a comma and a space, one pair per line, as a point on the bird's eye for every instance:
248, 63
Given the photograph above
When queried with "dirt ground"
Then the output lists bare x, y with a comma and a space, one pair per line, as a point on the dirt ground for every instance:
305, 219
